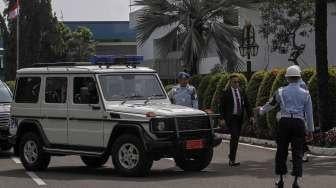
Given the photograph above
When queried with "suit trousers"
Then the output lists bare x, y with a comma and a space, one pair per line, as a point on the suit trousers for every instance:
290, 130
235, 126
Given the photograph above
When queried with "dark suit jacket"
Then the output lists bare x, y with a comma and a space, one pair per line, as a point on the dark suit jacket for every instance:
227, 104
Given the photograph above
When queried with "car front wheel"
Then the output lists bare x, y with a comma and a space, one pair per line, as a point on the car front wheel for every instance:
32, 155
129, 156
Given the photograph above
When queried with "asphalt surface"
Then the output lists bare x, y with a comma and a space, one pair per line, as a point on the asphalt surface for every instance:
256, 171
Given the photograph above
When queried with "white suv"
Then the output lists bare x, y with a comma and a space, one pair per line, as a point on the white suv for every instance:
97, 111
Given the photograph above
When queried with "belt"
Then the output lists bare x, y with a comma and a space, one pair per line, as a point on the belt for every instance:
296, 116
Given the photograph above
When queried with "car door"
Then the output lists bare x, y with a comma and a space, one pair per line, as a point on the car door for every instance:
54, 108
85, 124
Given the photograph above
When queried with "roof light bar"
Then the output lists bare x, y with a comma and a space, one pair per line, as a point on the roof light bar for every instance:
108, 60
103, 59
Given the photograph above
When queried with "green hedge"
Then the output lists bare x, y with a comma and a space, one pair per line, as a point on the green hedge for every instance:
307, 74
196, 80
215, 103
169, 87
253, 86
279, 81
202, 88
264, 93
11, 85
210, 90
331, 93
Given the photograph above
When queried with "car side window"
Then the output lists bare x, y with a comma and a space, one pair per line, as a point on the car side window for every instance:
56, 90
28, 90
85, 91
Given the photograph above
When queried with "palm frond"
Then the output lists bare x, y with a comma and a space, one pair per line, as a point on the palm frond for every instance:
149, 22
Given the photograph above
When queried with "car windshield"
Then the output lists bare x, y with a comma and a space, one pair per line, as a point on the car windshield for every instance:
5, 94
131, 87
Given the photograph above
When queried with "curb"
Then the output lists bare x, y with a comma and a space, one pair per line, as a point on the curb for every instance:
270, 143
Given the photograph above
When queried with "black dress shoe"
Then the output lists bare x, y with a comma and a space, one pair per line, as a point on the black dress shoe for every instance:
295, 185
232, 163
279, 183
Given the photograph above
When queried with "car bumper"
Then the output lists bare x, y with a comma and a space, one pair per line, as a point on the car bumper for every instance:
157, 145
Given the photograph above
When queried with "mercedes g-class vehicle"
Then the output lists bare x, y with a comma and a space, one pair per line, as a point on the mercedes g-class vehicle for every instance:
102, 110
6, 139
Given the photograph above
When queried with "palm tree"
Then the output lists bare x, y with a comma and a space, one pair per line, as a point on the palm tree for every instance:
195, 25
322, 63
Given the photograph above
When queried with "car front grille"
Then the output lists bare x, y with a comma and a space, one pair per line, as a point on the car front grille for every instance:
193, 123
4, 119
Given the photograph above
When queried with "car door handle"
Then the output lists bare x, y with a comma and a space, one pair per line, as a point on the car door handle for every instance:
95, 107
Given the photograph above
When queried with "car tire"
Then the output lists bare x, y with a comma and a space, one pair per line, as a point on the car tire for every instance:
31, 152
129, 156
94, 162
194, 161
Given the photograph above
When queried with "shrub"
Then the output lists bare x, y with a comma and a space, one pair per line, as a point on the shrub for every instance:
215, 102
331, 93
169, 87
330, 138
196, 80
11, 85
279, 81
253, 86
307, 74
202, 88
264, 93
210, 90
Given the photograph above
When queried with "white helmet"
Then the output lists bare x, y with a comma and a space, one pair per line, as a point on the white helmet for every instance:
293, 71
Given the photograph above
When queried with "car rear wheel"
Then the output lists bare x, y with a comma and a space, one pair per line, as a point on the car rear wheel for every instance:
194, 160
129, 156
31, 152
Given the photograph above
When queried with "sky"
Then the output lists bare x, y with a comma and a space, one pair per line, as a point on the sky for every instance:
90, 10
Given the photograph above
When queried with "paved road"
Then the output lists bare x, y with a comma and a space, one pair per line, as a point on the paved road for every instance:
256, 171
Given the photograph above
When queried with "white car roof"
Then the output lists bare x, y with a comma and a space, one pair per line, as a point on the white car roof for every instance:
85, 69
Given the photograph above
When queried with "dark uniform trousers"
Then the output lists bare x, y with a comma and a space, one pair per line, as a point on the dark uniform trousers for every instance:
235, 126
290, 130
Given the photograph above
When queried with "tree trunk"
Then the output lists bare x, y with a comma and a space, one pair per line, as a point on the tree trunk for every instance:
322, 63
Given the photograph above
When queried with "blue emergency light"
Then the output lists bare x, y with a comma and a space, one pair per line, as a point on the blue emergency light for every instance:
108, 60
103, 59
134, 59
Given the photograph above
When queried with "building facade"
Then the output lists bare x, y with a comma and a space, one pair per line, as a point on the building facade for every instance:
265, 59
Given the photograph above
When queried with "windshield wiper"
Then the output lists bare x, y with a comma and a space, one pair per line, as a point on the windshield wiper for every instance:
126, 98
153, 97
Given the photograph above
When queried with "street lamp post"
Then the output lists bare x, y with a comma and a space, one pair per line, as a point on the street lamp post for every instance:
248, 47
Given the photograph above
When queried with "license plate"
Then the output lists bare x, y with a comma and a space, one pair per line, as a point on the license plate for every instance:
194, 144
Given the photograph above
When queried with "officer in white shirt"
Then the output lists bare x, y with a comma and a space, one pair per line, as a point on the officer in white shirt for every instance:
184, 94
295, 109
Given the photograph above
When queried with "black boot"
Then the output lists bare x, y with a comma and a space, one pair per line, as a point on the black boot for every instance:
295, 183
280, 182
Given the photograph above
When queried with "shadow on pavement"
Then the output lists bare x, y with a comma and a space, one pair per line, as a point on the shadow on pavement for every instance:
5, 154
259, 170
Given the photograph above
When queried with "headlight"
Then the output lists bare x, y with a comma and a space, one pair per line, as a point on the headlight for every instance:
13, 123
162, 125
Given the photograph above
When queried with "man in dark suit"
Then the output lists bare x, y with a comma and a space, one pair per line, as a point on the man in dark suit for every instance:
234, 103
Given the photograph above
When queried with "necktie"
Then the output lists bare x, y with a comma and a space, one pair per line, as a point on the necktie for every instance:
237, 101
